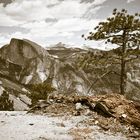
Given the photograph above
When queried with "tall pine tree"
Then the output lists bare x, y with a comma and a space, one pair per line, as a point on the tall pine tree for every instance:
123, 30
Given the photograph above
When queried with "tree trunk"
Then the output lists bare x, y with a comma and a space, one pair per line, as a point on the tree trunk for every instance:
123, 77
123, 66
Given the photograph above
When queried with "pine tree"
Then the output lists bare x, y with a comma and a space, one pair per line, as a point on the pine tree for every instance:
123, 30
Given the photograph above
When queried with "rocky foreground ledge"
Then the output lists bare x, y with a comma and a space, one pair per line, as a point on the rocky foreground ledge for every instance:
111, 113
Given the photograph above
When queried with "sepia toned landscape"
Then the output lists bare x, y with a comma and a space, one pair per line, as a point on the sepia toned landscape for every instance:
69, 70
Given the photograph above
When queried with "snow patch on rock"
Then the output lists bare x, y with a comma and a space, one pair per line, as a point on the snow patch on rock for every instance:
41, 72
28, 78
1, 90
25, 90
79, 88
42, 76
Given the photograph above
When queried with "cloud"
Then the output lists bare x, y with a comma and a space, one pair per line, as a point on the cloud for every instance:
98, 2
51, 20
46, 21
63, 26
5, 2
23, 10
94, 2
69, 9
129, 1
12, 29
4, 39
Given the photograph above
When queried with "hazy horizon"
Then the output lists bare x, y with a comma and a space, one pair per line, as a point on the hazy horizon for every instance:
50, 22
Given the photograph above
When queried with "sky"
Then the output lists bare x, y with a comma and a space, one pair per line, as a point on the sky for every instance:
49, 22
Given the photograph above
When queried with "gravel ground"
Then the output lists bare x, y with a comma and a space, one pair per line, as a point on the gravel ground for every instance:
16, 125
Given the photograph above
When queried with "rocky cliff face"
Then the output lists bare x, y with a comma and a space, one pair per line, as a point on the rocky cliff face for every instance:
23, 63
25, 60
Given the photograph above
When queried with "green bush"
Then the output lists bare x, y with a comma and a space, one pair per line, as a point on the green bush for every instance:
40, 92
5, 103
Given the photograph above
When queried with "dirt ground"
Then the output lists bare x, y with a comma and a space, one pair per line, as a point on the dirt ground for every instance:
111, 113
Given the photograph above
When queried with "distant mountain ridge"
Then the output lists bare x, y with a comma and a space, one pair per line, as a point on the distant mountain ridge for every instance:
23, 62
